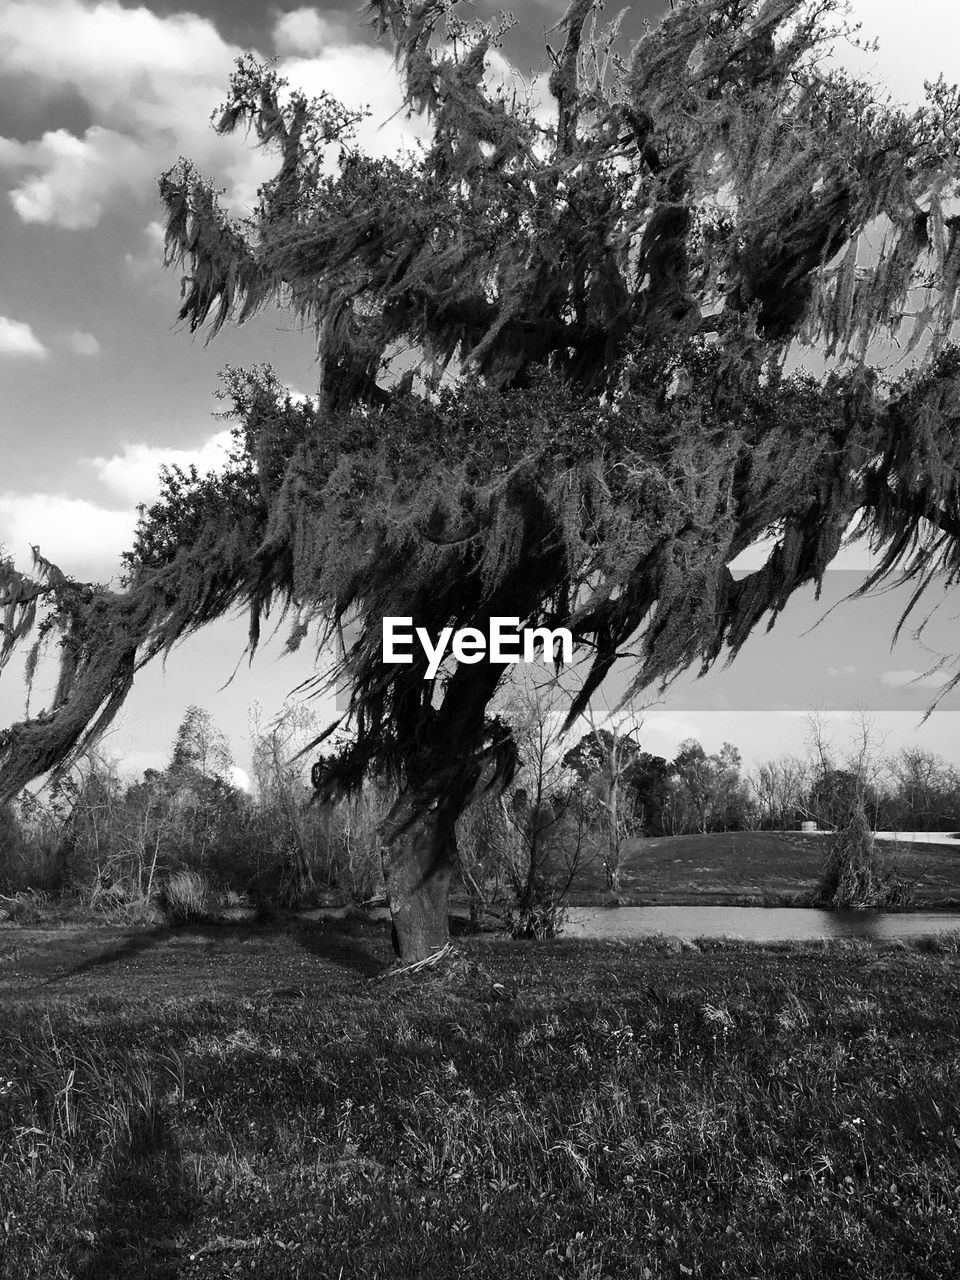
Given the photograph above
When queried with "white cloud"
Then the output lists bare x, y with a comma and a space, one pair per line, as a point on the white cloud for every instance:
361, 77
82, 537
305, 32
84, 344
18, 339
670, 727
915, 679
86, 538
841, 671
100, 46
72, 180
150, 84
146, 263
133, 474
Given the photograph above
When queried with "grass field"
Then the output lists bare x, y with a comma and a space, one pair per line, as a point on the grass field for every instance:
250, 1102
734, 867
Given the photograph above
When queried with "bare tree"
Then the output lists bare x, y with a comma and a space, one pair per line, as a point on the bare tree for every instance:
608, 758
781, 787
546, 817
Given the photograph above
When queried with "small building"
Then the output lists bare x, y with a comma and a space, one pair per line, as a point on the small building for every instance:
809, 826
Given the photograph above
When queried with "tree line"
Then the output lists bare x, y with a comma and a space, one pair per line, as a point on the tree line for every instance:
178, 836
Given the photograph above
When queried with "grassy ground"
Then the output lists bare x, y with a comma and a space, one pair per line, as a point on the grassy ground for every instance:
252, 1102
764, 867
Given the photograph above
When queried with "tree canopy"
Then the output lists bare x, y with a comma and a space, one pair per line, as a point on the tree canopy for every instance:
551, 371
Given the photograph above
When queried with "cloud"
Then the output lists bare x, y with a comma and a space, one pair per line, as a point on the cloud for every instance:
145, 264
150, 83
86, 538
362, 77
82, 537
841, 671
84, 344
918, 679
18, 339
72, 180
671, 726
133, 474
306, 32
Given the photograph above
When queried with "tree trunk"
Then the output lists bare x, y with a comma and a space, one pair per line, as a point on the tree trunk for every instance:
420, 852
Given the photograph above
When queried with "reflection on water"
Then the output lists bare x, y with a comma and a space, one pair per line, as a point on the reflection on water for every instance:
757, 924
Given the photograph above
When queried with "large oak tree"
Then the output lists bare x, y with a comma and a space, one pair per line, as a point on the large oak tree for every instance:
552, 382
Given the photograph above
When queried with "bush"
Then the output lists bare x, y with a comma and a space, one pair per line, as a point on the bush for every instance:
24, 907
541, 921
185, 896
856, 874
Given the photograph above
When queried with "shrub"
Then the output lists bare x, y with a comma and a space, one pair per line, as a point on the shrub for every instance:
185, 896
541, 921
24, 907
856, 874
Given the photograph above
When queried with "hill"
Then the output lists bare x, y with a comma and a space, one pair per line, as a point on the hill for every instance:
729, 867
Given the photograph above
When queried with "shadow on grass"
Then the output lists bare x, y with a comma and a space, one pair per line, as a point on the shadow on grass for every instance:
144, 1212
133, 945
359, 945
461, 927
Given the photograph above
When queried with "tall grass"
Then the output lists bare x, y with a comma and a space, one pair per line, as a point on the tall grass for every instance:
185, 896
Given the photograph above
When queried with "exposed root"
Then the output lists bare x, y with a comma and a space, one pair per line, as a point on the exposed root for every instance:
429, 962
449, 969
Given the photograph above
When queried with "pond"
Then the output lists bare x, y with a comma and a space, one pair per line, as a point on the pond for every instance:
756, 924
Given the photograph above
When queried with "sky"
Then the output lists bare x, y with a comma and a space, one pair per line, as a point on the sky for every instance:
99, 385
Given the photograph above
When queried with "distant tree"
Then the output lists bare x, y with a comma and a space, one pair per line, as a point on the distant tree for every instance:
11, 839
732, 801
833, 793
649, 783
294, 842
781, 788
696, 775
606, 760
200, 750
198, 782
709, 792
551, 383
542, 811
925, 791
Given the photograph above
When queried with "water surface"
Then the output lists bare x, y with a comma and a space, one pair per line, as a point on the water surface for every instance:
756, 924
